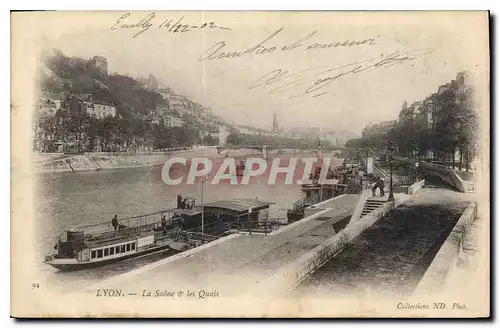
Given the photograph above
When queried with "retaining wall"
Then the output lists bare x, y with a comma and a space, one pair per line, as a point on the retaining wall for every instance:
416, 187
445, 173
434, 279
291, 275
100, 162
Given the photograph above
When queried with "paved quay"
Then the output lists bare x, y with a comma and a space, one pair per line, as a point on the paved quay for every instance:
390, 257
232, 266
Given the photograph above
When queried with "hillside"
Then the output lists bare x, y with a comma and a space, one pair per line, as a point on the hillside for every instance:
128, 94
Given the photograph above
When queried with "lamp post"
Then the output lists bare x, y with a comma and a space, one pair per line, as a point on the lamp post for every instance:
391, 149
202, 180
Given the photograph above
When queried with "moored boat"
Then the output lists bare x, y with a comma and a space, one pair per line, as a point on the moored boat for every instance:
340, 180
177, 229
101, 244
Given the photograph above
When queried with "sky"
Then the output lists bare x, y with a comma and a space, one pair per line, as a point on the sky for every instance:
397, 57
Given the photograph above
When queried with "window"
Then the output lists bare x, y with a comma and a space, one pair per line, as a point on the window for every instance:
112, 251
106, 252
99, 253
123, 248
128, 247
93, 254
133, 246
117, 250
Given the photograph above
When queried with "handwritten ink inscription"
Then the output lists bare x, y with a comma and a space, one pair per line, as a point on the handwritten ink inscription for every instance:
152, 20
313, 81
218, 50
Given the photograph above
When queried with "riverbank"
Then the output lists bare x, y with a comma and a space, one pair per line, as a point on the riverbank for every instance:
58, 162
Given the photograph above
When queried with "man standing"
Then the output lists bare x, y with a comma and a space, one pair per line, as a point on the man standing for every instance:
114, 222
381, 186
378, 184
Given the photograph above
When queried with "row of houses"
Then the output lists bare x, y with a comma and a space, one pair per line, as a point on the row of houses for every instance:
421, 114
162, 119
50, 103
378, 129
419, 121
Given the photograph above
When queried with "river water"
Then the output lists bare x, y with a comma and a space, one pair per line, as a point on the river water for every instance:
68, 200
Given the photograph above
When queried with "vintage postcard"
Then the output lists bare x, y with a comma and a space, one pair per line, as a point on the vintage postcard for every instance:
247, 164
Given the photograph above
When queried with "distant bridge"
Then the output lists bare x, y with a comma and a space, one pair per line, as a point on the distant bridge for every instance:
266, 149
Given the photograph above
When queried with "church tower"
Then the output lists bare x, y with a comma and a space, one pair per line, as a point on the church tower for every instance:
275, 122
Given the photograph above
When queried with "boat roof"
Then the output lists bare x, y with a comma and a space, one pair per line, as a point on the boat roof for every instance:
237, 206
189, 212
231, 207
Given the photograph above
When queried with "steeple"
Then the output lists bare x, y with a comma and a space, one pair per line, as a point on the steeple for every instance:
275, 122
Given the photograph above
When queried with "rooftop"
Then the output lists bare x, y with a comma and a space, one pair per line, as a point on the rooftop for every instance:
238, 206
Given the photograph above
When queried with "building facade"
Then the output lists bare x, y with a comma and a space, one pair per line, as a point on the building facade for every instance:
100, 110
173, 121
48, 103
379, 129
84, 104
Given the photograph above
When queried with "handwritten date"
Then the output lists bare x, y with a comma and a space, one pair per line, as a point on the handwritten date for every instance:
151, 20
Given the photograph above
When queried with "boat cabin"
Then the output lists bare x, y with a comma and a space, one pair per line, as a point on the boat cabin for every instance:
220, 217
106, 242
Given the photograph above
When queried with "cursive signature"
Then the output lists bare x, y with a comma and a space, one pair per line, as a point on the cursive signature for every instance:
314, 80
152, 20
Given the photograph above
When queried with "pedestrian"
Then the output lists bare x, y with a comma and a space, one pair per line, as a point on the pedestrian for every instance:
380, 185
114, 222
179, 201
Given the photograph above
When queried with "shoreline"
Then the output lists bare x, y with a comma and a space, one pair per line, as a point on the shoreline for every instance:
99, 161
60, 162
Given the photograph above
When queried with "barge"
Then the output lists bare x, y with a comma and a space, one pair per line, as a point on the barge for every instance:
177, 229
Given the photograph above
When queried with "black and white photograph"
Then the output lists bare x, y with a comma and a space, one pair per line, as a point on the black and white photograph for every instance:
250, 164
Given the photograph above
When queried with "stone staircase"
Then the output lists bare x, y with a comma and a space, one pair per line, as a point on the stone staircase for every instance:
372, 204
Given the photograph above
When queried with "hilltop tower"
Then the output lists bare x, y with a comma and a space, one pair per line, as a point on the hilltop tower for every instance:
100, 64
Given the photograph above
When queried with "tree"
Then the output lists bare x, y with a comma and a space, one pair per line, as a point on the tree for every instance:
233, 138
208, 140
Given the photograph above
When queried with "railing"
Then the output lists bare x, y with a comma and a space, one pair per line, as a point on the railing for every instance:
264, 227
379, 173
299, 204
126, 223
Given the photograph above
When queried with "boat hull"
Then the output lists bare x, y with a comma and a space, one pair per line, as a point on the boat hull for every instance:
74, 265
